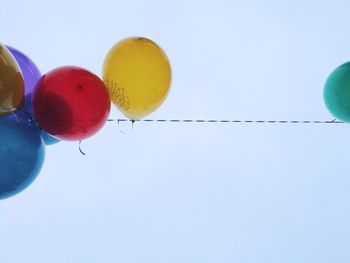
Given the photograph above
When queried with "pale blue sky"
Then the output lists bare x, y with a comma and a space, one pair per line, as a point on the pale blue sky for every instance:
206, 193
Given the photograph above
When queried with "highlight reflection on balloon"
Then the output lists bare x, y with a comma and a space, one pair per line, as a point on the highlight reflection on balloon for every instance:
137, 74
22, 153
11, 83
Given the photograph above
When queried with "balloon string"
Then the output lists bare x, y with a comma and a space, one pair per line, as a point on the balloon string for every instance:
80, 150
232, 121
120, 120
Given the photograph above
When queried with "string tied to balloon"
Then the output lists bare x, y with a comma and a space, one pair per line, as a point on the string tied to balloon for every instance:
132, 122
80, 150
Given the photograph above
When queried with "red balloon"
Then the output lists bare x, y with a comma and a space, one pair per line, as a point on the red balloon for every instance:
71, 103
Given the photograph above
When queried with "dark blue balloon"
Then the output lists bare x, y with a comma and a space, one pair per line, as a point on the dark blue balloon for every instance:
22, 153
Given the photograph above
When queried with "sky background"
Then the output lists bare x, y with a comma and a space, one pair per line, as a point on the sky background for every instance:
180, 192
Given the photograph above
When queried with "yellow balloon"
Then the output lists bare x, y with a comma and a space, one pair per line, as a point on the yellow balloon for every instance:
11, 82
137, 74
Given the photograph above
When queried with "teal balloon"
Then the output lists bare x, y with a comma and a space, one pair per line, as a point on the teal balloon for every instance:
22, 153
337, 93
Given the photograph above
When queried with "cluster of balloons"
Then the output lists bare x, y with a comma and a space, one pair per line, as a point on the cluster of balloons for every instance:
71, 103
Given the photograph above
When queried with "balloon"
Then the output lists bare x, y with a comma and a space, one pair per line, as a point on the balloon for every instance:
11, 83
30, 72
31, 75
22, 154
337, 93
71, 103
137, 74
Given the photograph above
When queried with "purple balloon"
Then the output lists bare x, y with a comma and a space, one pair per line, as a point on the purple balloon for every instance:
30, 71
31, 74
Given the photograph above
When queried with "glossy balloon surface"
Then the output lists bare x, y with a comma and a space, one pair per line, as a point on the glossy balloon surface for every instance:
137, 74
71, 103
11, 83
22, 153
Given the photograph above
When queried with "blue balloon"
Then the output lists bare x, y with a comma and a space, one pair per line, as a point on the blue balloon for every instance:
22, 153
